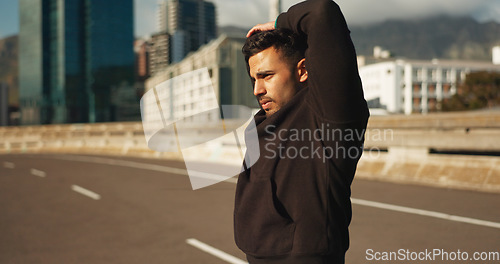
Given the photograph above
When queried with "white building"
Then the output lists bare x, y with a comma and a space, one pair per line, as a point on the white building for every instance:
414, 86
496, 55
228, 76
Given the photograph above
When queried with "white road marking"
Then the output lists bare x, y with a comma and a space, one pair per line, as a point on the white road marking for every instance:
215, 252
85, 192
146, 166
9, 165
439, 215
38, 173
177, 171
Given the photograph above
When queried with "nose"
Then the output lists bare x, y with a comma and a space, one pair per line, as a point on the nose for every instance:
259, 88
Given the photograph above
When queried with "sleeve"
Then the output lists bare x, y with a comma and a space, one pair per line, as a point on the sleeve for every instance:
335, 87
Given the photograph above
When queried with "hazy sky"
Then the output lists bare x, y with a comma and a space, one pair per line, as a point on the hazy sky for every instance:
245, 13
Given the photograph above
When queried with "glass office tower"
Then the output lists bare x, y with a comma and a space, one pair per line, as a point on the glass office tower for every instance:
74, 56
191, 23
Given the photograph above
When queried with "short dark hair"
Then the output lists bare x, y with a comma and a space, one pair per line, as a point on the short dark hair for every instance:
291, 45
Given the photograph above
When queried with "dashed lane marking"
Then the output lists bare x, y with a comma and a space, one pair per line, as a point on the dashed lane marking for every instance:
86, 192
38, 173
9, 165
215, 252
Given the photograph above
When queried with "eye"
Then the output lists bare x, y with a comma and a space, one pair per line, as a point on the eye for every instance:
268, 76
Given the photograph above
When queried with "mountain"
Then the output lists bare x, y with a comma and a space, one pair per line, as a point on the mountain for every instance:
8, 66
435, 37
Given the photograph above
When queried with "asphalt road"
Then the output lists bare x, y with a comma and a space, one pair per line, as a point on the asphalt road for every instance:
83, 209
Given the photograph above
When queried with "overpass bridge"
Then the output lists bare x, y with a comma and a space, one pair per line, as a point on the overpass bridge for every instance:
95, 193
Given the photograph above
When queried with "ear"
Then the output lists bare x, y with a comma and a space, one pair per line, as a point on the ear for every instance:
301, 70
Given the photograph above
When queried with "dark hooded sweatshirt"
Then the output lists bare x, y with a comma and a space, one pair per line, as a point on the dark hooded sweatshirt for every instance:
295, 200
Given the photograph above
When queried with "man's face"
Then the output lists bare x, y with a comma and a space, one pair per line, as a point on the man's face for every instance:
275, 81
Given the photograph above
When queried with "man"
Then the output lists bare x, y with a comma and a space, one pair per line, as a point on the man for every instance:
293, 205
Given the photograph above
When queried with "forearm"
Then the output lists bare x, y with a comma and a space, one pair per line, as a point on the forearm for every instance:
330, 58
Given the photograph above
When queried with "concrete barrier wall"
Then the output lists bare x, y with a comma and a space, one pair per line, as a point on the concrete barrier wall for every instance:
419, 167
404, 149
398, 148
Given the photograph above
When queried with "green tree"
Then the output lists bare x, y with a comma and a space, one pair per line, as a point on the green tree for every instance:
480, 90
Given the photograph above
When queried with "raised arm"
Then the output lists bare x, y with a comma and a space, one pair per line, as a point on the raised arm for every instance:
336, 90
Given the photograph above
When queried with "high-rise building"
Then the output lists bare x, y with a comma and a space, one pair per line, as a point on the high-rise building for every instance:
142, 48
74, 54
190, 23
4, 104
159, 53
162, 16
